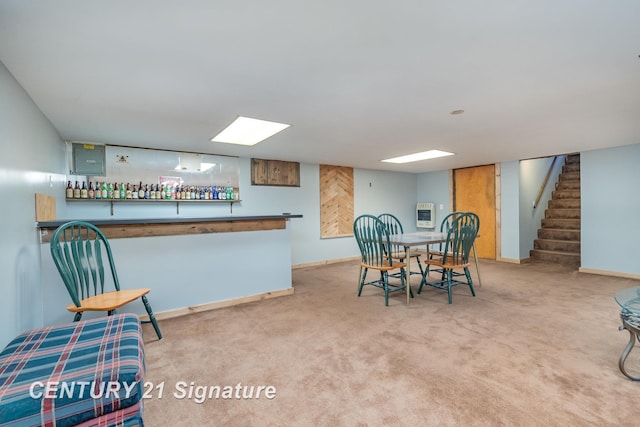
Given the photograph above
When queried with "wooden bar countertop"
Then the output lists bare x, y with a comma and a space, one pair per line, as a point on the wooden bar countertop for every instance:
125, 228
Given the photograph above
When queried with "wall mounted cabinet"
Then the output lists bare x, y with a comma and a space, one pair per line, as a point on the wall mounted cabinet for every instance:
275, 172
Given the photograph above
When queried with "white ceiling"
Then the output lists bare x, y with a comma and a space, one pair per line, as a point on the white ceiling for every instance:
358, 80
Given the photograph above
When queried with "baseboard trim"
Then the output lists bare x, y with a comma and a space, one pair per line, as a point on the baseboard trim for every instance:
608, 273
514, 260
178, 312
325, 262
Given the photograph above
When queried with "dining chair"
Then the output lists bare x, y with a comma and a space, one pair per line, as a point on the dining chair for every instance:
397, 252
372, 237
80, 250
444, 227
461, 234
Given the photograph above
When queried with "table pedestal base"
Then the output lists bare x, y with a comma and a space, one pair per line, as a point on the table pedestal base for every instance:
634, 334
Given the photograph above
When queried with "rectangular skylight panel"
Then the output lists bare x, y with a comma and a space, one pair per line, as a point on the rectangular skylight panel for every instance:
248, 131
425, 155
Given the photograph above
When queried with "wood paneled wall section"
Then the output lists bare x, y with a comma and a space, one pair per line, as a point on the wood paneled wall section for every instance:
45, 207
336, 201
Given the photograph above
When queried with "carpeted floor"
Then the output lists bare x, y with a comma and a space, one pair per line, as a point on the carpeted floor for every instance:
537, 346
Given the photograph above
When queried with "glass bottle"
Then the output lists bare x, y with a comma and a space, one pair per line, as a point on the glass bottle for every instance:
140, 191
134, 193
129, 194
69, 190
147, 193
76, 191
123, 191
105, 192
110, 191
91, 193
98, 190
84, 193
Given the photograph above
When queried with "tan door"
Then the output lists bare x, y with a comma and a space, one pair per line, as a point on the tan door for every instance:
474, 190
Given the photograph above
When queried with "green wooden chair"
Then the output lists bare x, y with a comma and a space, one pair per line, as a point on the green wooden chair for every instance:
79, 251
394, 226
438, 250
373, 240
461, 234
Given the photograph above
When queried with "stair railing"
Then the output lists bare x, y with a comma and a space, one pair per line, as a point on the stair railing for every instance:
544, 183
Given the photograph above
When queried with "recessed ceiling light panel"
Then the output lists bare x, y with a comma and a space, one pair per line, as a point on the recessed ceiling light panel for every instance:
425, 155
248, 131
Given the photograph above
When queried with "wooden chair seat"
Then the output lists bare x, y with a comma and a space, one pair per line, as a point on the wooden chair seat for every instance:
394, 266
108, 301
451, 265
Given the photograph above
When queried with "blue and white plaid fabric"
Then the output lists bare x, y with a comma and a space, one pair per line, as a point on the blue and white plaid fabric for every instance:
69, 374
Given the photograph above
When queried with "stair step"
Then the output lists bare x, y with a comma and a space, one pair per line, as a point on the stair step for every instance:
561, 223
573, 184
565, 194
569, 259
571, 167
564, 204
563, 213
565, 246
569, 176
559, 234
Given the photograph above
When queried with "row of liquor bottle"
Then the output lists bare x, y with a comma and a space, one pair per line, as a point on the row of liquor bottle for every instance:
114, 191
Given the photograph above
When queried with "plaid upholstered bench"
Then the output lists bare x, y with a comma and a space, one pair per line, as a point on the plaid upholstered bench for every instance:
87, 373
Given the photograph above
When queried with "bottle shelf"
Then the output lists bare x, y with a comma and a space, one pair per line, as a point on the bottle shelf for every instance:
176, 201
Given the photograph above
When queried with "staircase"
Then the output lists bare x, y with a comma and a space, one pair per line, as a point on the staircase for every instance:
559, 238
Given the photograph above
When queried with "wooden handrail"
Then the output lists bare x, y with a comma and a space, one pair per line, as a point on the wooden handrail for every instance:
544, 184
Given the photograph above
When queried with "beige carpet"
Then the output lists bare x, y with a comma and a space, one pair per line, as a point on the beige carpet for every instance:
537, 346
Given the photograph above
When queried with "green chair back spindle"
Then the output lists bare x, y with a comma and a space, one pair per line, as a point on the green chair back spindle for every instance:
80, 251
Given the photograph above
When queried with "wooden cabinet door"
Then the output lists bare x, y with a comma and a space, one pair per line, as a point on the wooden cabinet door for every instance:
259, 171
284, 173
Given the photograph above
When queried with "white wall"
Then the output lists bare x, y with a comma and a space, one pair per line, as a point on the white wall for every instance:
532, 175
510, 211
610, 209
30, 154
434, 187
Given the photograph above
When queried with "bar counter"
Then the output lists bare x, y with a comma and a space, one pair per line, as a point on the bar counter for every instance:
190, 264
